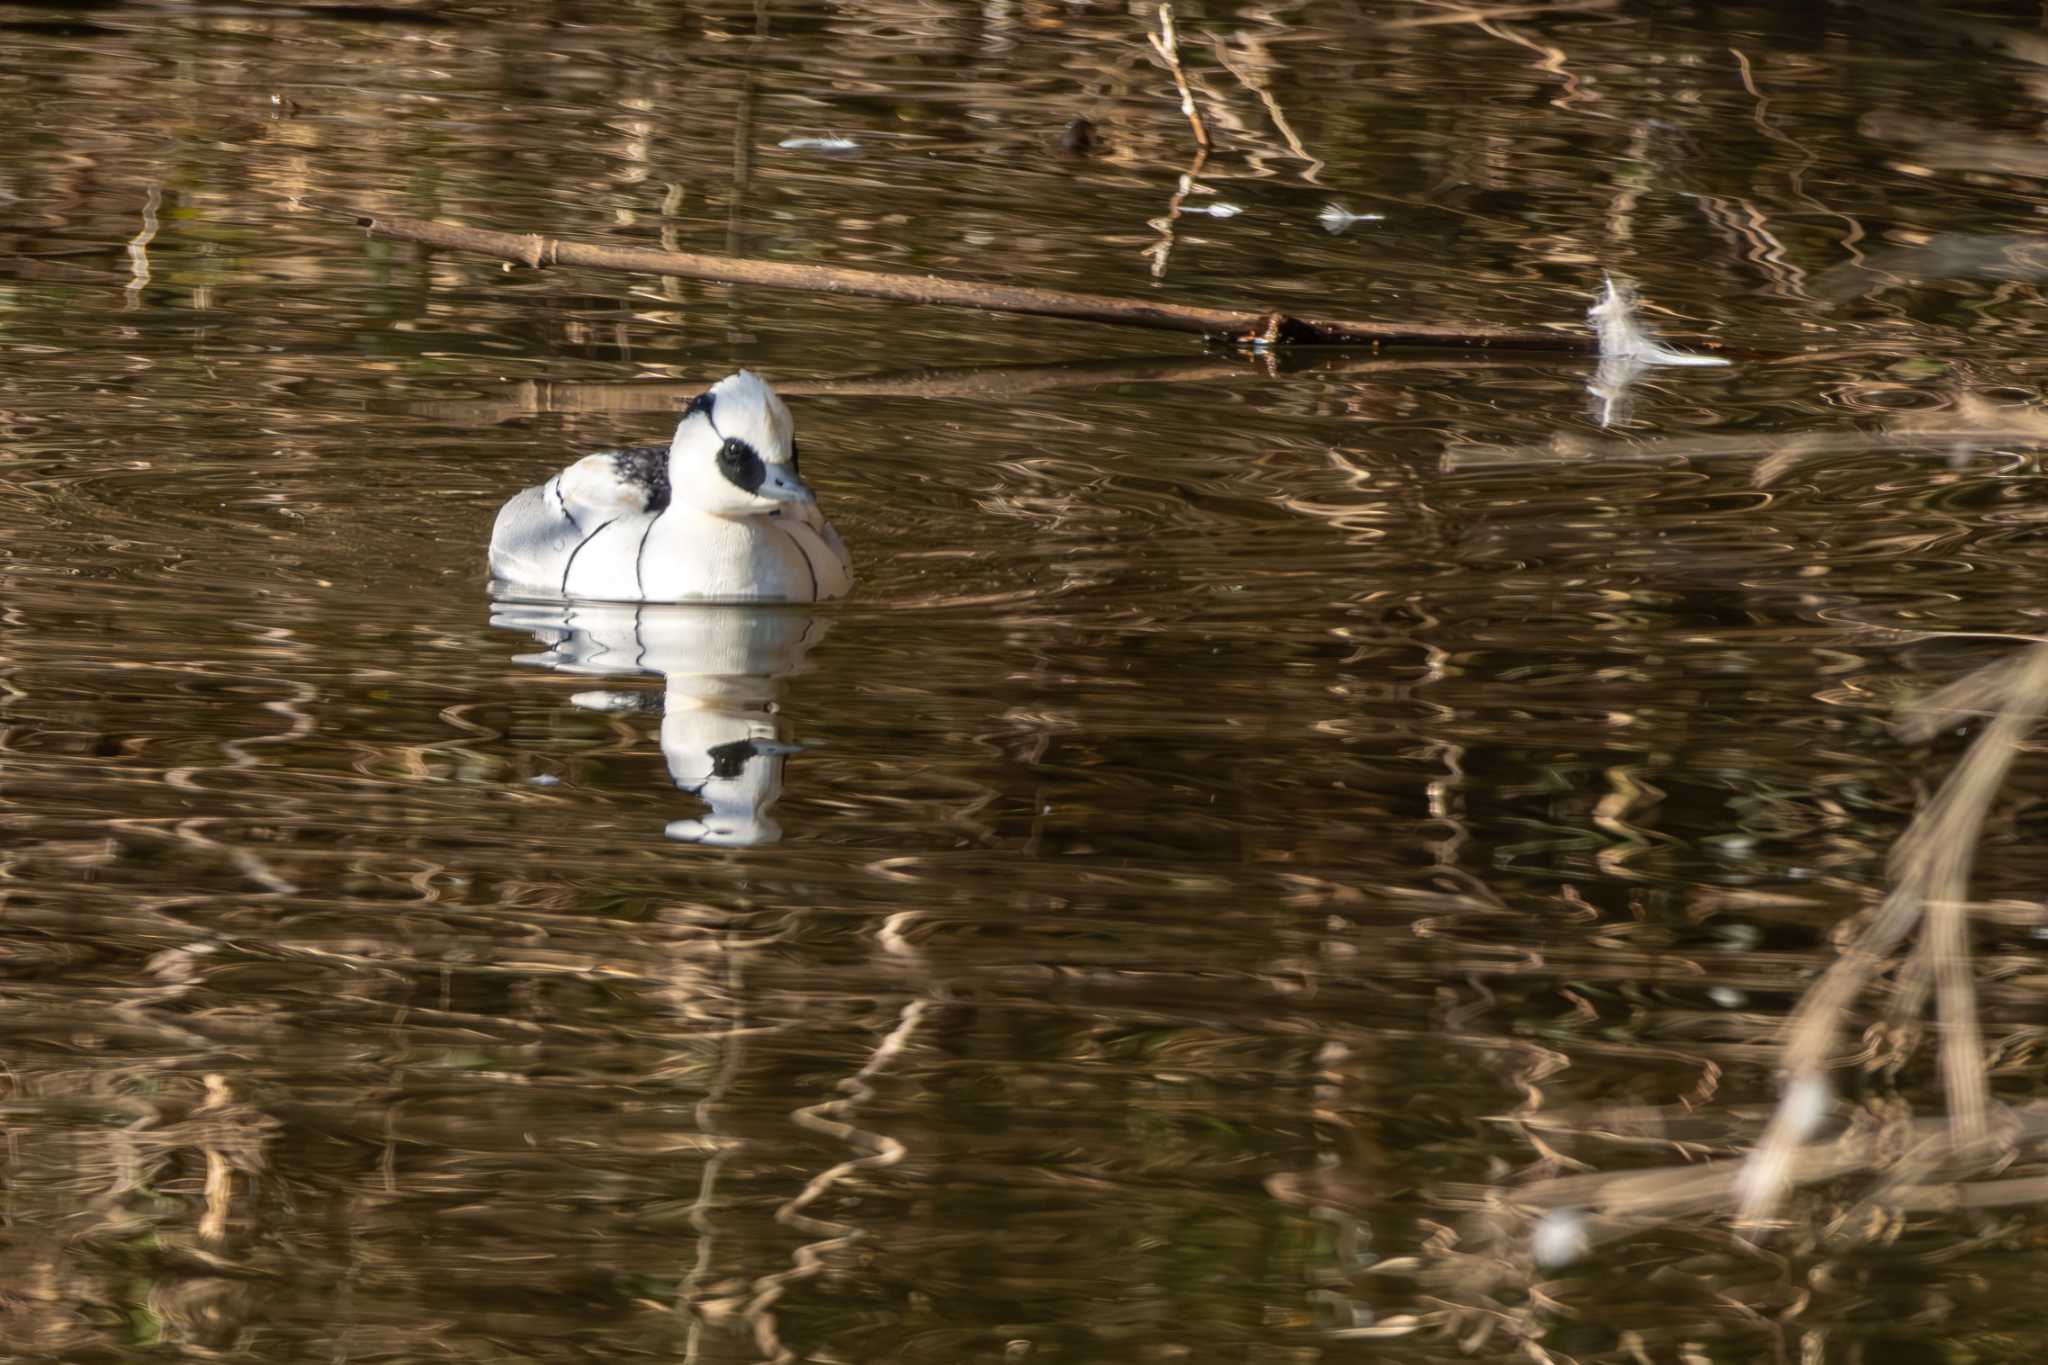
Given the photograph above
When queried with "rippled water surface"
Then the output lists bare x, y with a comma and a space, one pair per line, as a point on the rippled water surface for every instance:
1245, 800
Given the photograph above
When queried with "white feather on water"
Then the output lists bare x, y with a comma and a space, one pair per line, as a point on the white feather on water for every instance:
819, 144
1626, 350
1336, 218
1622, 337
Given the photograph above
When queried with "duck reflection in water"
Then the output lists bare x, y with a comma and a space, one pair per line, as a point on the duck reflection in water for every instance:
724, 666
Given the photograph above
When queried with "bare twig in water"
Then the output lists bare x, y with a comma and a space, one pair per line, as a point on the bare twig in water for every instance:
691, 1296
1552, 64
1233, 325
877, 1149
1787, 278
1930, 874
986, 383
1807, 159
1166, 43
1974, 1159
1971, 424
1478, 16
1602, 1206
1242, 67
138, 247
743, 136
1162, 249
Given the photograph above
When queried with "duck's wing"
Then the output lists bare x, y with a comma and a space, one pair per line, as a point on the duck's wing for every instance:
539, 531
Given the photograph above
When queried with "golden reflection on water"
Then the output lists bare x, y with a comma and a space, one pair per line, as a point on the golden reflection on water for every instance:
1276, 845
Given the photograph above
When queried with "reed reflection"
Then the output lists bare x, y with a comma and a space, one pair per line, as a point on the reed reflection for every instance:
721, 734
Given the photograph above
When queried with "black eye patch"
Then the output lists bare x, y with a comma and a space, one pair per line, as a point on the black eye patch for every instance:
741, 465
703, 403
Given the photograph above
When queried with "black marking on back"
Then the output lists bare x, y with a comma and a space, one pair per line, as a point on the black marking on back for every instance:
577, 551
794, 467
741, 465
646, 468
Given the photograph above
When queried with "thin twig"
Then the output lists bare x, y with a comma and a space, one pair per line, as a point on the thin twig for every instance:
743, 135
1257, 83
877, 1150
1552, 64
138, 247
1930, 871
1232, 325
1167, 44
986, 383
1162, 249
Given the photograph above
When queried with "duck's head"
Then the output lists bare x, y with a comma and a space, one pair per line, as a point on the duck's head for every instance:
734, 454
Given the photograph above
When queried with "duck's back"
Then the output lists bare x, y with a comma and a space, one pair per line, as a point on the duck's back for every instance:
543, 533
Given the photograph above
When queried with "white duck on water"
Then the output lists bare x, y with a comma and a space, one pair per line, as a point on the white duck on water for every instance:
720, 514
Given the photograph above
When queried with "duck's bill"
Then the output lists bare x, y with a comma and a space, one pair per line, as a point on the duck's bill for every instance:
783, 487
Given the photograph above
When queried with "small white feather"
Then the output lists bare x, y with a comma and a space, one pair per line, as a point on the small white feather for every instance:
1622, 336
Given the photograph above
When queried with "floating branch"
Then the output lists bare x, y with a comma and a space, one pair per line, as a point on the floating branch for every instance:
1236, 326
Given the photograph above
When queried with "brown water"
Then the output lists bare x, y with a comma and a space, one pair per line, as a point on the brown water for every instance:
1238, 798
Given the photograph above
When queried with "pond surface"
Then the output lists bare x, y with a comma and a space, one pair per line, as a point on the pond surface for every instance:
1242, 797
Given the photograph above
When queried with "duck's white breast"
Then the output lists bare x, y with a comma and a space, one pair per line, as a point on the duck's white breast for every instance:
690, 556
674, 555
